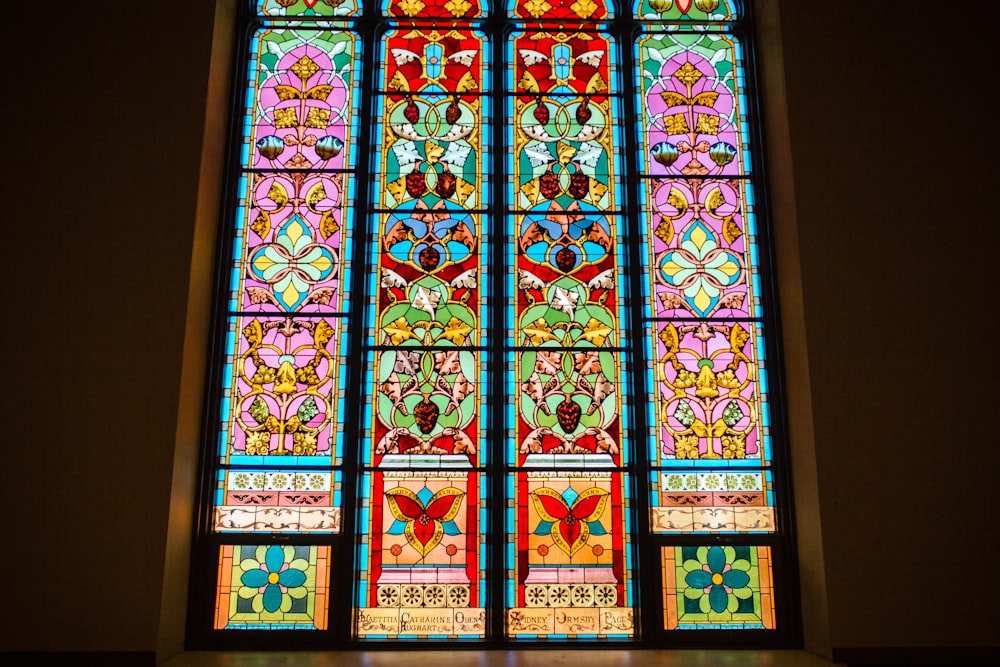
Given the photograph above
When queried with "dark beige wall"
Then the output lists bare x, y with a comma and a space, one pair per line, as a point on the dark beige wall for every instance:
892, 140
104, 108
894, 148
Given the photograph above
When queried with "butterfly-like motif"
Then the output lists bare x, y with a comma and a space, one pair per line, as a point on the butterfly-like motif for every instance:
571, 523
424, 523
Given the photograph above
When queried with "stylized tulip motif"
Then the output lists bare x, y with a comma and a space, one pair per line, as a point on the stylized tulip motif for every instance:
424, 522
661, 6
722, 153
329, 147
707, 5
570, 518
270, 146
665, 153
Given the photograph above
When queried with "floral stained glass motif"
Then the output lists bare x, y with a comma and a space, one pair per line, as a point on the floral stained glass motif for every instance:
717, 588
687, 10
272, 587
282, 401
424, 563
569, 575
570, 557
438, 9
709, 379
421, 562
570, 10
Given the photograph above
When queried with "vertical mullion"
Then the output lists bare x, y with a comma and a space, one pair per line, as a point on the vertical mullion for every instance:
625, 31
496, 220
367, 29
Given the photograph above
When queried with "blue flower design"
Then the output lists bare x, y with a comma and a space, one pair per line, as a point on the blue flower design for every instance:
717, 579
272, 582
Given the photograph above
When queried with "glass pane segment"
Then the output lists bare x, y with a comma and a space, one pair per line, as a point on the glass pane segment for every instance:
441, 9
711, 395
301, 104
569, 409
714, 501
560, 9
429, 281
693, 104
269, 500
569, 563
717, 588
420, 557
426, 162
283, 392
421, 60
561, 63
292, 248
427, 409
569, 286
308, 8
274, 587
700, 248
687, 10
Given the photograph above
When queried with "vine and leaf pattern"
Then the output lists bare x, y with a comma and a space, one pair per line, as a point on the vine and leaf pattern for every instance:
707, 405
427, 403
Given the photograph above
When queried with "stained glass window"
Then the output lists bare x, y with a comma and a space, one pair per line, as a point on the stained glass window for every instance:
493, 331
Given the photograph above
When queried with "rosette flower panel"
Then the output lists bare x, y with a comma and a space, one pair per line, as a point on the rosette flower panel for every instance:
272, 587
727, 587
289, 257
701, 249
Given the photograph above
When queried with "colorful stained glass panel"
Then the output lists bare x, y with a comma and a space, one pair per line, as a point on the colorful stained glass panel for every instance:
714, 501
301, 104
421, 558
308, 8
273, 587
570, 563
426, 61
687, 10
292, 253
560, 9
561, 63
439, 9
711, 394
568, 407
701, 248
283, 392
263, 500
693, 104
717, 588
427, 409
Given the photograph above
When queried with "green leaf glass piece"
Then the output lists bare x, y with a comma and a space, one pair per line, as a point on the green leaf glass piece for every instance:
732, 414
308, 409
259, 411
684, 413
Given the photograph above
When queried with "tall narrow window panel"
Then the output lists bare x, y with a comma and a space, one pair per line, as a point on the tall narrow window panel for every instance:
495, 328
